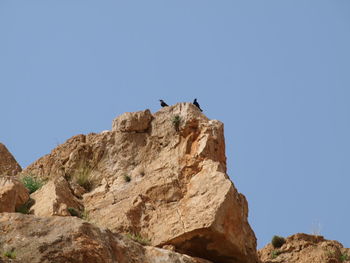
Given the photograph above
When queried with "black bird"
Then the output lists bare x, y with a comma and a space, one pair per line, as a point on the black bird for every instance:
163, 104
197, 105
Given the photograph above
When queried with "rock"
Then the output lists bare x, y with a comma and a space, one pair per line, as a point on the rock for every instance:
162, 177
54, 198
79, 153
78, 190
69, 239
304, 248
13, 194
132, 121
8, 164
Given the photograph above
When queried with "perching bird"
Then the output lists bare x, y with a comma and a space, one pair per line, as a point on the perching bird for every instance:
163, 104
197, 105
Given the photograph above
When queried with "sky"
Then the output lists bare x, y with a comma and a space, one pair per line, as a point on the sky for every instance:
276, 73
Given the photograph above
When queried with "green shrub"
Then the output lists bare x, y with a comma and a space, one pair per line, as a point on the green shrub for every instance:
344, 257
82, 176
25, 208
10, 254
127, 178
81, 214
138, 238
277, 241
275, 254
31, 183
73, 212
176, 122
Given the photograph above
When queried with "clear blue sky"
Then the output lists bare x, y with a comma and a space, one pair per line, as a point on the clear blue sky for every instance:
277, 73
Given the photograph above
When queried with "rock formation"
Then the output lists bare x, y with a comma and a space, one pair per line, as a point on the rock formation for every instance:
67, 239
13, 194
54, 198
303, 248
158, 179
8, 164
161, 176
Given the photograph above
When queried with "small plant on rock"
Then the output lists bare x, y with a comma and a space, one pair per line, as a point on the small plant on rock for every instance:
83, 177
138, 238
31, 183
10, 254
176, 122
127, 178
275, 253
277, 241
25, 208
73, 212
344, 257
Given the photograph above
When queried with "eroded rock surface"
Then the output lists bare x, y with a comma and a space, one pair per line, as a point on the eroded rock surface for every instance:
303, 248
68, 239
8, 164
13, 194
133, 121
54, 198
163, 177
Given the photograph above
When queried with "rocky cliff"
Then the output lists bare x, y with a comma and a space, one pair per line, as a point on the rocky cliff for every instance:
159, 179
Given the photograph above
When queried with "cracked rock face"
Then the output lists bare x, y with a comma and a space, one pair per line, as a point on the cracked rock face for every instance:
68, 239
13, 194
8, 164
163, 177
54, 198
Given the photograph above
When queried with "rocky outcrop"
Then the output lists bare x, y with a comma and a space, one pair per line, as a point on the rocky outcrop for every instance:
163, 177
133, 122
303, 248
55, 198
68, 239
13, 194
8, 164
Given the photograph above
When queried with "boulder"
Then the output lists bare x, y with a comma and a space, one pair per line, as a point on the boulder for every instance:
8, 164
304, 248
55, 198
69, 239
13, 194
132, 121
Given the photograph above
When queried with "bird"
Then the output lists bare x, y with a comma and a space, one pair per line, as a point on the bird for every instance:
163, 104
197, 105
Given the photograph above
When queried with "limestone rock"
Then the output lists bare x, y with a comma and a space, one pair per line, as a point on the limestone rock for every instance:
81, 152
162, 177
303, 248
69, 239
132, 121
8, 164
13, 194
54, 198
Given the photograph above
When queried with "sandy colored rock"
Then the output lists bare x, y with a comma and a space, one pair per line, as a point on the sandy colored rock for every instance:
8, 164
54, 198
303, 248
13, 194
132, 121
167, 183
69, 239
